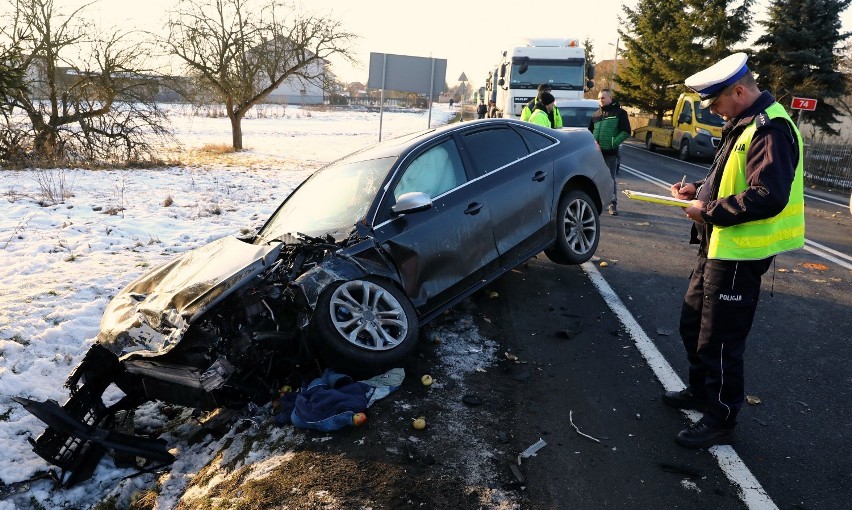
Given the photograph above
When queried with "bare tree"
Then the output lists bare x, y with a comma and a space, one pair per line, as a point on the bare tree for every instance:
86, 96
243, 50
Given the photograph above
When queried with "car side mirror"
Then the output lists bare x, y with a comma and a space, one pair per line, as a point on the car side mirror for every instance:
590, 72
684, 118
501, 82
410, 202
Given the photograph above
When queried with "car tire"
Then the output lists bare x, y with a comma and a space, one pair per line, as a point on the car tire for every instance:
649, 144
683, 153
577, 229
363, 327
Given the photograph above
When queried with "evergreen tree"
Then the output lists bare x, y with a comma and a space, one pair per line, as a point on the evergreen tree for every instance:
719, 27
801, 56
653, 74
668, 40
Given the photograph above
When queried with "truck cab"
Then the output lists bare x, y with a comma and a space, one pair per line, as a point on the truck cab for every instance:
559, 62
692, 131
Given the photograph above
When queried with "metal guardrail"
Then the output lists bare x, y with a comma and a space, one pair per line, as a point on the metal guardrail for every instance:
828, 164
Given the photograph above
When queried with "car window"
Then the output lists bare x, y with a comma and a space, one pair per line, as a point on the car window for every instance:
495, 148
687, 109
535, 141
576, 116
435, 171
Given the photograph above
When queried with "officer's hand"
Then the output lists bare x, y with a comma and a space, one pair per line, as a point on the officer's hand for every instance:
693, 212
685, 193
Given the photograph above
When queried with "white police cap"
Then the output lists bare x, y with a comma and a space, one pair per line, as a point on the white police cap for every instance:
710, 82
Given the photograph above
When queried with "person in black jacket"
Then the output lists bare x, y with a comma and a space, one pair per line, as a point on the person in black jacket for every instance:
610, 127
748, 208
481, 110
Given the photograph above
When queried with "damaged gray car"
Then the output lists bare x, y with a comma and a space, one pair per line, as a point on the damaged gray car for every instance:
343, 274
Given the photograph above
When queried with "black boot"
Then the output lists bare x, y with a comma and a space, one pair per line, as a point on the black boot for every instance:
683, 399
702, 435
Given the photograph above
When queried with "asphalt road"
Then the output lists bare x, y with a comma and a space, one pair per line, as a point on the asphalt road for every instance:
601, 354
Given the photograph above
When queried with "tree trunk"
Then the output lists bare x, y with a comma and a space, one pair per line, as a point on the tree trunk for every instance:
236, 130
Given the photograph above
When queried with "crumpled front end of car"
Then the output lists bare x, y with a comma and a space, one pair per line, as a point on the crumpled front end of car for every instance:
218, 326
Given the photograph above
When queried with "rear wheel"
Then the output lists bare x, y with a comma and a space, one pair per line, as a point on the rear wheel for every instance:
364, 326
649, 144
684, 154
577, 229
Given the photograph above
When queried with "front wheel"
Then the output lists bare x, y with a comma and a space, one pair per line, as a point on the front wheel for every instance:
684, 150
649, 144
364, 326
577, 229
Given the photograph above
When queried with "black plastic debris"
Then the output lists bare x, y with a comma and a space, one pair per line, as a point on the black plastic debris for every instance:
573, 326
681, 469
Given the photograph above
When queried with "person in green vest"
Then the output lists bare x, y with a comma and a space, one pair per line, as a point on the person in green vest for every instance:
527, 111
543, 111
749, 208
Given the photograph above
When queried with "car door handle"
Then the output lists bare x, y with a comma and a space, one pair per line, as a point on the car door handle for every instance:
473, 208
539, 176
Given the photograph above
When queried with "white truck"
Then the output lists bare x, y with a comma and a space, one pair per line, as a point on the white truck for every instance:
558, 62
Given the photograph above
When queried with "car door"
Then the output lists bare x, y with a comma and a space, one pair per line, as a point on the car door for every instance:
516, 176
443, 251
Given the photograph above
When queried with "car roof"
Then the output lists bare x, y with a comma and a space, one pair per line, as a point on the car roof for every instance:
404, 143
588, 103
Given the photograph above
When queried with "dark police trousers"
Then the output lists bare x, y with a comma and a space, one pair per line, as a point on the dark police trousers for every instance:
717, 314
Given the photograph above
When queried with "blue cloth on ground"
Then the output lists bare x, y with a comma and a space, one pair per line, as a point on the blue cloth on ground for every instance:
330, 401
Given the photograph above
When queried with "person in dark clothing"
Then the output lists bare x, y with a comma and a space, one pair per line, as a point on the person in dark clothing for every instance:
481, 110
610, 127
748, 208
554, 115
543, 111
492, 110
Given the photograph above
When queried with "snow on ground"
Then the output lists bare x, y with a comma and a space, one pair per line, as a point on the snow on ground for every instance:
60, 264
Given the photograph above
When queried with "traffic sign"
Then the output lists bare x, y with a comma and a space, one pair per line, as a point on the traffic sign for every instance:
803, 103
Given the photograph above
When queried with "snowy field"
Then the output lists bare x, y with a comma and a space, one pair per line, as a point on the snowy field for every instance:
60, 264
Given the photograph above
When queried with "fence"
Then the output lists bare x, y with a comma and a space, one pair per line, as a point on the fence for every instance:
828, 164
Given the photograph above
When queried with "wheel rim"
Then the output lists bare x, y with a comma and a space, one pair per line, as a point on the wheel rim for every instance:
648, 141
684, 150
581, 229
368, 316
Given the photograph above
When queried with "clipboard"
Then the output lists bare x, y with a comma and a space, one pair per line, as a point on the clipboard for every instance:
657, 199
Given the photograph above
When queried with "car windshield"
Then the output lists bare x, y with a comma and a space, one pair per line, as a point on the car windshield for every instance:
331, 200
560, 74
705, 116
576, 116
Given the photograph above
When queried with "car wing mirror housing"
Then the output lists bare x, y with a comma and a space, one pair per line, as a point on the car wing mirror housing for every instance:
412, 201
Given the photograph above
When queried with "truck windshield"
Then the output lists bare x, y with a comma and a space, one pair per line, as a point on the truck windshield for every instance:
560, 74
705, 116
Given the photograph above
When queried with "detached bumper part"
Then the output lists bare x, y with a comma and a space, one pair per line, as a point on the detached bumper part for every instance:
76, 447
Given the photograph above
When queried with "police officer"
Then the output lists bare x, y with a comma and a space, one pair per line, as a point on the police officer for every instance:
554, 115
749, 208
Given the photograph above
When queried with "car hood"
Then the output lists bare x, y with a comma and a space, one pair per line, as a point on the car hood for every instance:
149, 316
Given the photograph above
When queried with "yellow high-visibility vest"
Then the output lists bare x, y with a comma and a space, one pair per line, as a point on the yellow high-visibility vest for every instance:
759, 239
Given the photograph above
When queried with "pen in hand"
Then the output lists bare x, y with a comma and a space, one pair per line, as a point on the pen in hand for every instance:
682, 183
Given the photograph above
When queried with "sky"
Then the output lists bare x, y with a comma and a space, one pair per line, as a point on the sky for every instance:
471, 36
60, 264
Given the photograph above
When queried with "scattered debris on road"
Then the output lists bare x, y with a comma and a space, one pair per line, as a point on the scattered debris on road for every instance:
571, 419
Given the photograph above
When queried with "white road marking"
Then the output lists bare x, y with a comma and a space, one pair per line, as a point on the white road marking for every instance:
751, 492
